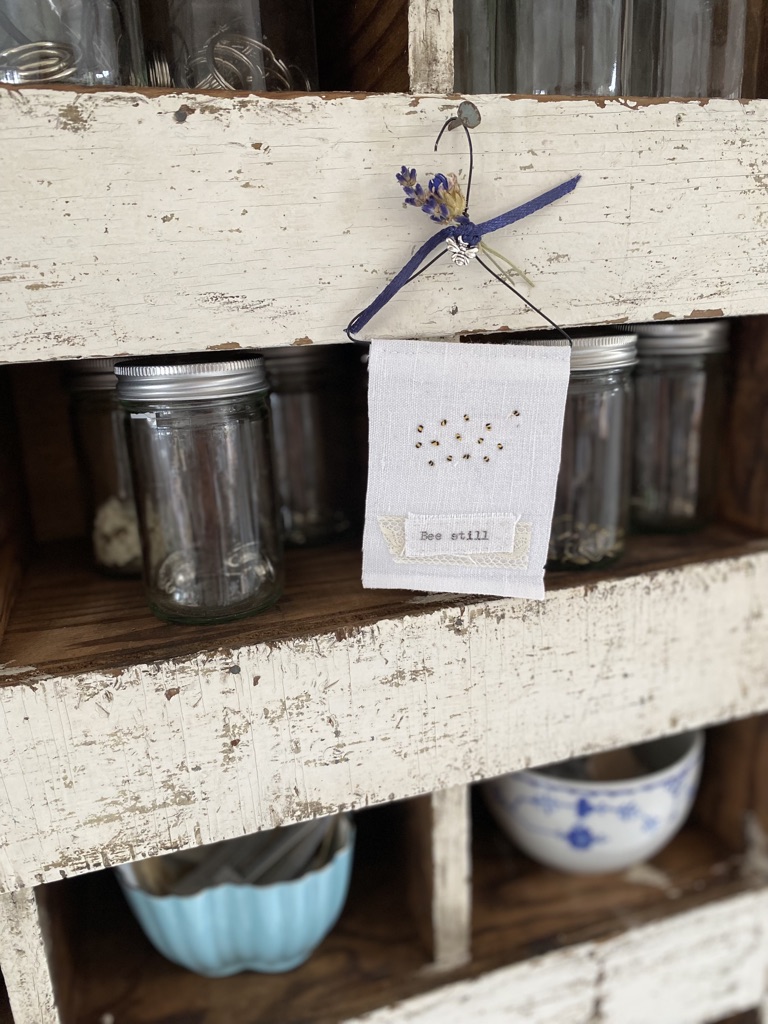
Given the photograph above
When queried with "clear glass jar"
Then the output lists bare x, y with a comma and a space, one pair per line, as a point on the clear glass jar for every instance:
540, 47
312, 409
202, 466
77, 42
680, 392
591, 512
689, 48
250, 45
102, 451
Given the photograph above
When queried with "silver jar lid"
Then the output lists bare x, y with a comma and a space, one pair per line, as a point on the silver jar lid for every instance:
591, 350
685, 337
160, 380
91, 375
603, 351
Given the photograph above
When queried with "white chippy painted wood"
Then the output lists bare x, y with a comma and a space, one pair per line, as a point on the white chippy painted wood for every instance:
693, 968
451, 877
106, 767
430, 45
23, 960
142, 224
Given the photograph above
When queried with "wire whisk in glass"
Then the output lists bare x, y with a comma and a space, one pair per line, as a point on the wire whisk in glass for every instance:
78, 42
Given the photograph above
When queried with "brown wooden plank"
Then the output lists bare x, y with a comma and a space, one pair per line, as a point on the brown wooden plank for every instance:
69, 619
363, 45
56, 504
745, 480
734, 787
13, 531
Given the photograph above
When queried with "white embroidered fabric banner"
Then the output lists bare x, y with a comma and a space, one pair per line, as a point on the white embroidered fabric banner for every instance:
464, 456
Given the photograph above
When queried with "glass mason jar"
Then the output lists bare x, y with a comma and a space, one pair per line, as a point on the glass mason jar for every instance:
102, 451
77, 42
250, 45
680, 391
592, 498
689, 48
540, 47
202, 466
312, 409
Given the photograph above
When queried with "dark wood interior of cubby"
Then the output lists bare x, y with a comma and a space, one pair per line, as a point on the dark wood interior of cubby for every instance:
14, 535
69, 619
6, 1017
373, 956
363, 45
374, 946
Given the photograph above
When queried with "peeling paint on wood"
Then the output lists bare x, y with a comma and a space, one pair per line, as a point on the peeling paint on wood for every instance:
693, 968
430, 46
268, 244
122, 767
24, 960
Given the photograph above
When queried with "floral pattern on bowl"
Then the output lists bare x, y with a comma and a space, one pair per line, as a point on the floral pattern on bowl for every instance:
586, 827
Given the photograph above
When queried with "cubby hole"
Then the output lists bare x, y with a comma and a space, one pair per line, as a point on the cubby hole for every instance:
522, 909
372, 954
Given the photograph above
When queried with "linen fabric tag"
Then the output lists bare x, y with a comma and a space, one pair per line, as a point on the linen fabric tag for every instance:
464, 453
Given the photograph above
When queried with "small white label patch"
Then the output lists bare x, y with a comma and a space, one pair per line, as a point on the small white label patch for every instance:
467, 534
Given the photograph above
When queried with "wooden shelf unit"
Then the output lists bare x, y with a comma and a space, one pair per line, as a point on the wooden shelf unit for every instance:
148, 227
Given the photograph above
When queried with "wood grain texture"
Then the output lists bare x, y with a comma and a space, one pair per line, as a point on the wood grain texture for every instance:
363, 45
745, 483
173, 222
158, 737
430, 45
55, 506
23, 960
14, 535
733, 801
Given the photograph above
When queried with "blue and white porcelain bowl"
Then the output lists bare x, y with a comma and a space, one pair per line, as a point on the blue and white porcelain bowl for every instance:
587, 827
227, 929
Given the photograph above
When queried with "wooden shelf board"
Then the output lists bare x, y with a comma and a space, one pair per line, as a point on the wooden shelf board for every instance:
70, 620
232, 245
139, 737
372, 958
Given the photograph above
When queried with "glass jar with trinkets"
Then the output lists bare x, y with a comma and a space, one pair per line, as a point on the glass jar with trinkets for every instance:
202, 464
73, 42
98, 425
592, 498
680, 391
247, 45
312, 409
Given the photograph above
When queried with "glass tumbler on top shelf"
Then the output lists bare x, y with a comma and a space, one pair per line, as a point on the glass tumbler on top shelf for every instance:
72, 42
592, 498
202, 465
540, 47
687, 48
312, 417
680, 390
102, 451
247, 45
